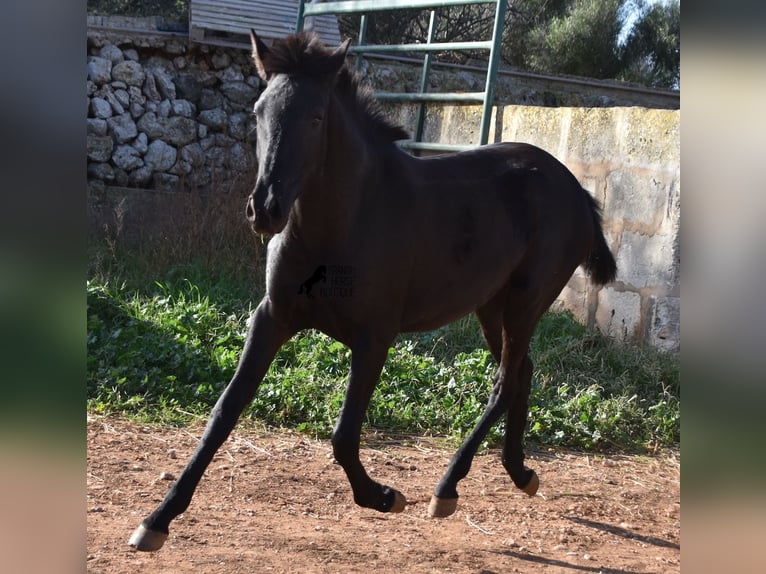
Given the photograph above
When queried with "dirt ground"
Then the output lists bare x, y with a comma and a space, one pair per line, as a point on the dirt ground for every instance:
279, 503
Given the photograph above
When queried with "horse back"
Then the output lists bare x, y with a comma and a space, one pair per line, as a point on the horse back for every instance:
502, 214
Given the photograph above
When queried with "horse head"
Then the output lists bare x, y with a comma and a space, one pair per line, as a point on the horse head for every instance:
291, 128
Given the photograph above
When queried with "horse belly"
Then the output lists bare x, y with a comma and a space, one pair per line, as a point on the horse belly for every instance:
456, 282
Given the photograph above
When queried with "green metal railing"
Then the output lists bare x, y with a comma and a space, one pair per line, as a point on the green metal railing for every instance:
422, 97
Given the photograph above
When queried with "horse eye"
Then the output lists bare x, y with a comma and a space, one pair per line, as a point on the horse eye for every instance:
316, 120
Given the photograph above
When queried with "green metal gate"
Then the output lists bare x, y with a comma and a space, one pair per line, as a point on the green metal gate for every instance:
492, 45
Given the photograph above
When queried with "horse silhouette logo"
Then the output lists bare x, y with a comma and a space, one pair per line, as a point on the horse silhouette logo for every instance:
319, 274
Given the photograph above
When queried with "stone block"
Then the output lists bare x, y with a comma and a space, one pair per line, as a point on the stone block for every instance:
126, 157
536, 125
650, 138
619, 314
100, 108
592, 135
664, 323
238, 125
160, 156
141, 143
646, 260
165, 84
214, 119
101, 171
96, 126
130, 72
573, 300
123, 128
122, 97
636, 197
99, 148
111, 53
240, 93
150, 89
183, 108
180, 131
99, 70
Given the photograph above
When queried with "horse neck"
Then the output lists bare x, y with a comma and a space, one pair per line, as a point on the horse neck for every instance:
328, 205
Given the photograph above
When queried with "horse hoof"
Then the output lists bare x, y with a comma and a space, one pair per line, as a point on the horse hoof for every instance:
399, 502
532, 485
441, 507
147, 540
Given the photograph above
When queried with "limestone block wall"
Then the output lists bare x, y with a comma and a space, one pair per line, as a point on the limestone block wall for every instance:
629, 159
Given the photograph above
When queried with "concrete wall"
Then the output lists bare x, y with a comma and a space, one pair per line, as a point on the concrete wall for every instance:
629, 159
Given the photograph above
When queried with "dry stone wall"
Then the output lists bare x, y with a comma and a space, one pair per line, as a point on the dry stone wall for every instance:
163, 114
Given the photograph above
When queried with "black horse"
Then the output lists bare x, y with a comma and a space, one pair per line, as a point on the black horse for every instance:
416, 242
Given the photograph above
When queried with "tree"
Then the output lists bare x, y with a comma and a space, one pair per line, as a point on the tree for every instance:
577, 37
523, 20
453, 24
652, 52
582, 41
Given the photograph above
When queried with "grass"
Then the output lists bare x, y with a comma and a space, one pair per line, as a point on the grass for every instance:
164, 351
167, 311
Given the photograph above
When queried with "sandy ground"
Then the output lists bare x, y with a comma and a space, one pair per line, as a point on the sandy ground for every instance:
277, 502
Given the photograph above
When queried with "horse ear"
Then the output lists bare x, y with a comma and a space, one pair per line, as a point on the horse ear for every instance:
260, 55
338, 57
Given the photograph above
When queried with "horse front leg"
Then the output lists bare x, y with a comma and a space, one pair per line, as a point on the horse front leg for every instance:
265, 336
367, 361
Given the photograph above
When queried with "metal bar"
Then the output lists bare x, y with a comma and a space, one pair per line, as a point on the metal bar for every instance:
494, 59
362, 39
352, 6
301, 15
421, 117
436, 47
442, 97
486, 97
428, 146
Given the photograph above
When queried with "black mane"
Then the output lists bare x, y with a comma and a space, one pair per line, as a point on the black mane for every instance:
304, 54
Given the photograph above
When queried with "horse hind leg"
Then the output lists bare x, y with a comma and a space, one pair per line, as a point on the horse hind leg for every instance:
491, 321
516, 420
445, 496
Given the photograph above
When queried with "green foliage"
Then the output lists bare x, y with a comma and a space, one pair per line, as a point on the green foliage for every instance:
166, 352
578, 37
582, 41
175, 9
652, 52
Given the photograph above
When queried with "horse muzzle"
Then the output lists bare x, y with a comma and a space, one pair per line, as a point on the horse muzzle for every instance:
265, 216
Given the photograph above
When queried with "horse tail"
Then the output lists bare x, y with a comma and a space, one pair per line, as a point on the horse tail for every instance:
599, 264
